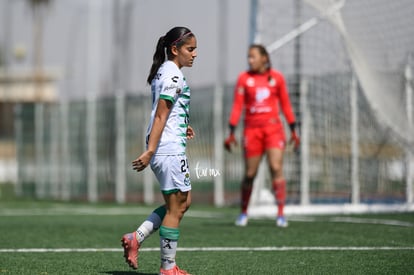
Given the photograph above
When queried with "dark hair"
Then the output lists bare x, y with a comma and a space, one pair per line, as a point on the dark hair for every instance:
262, 50
176, 36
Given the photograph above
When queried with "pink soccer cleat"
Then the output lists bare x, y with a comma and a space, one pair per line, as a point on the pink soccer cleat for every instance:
131, 245
175, 271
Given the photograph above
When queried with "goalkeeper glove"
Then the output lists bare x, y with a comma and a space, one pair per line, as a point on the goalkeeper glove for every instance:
294, 138
231, 139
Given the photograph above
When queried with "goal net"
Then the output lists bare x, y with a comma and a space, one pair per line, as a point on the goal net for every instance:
349, 68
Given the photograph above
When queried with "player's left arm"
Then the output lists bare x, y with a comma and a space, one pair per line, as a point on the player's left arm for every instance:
287, 110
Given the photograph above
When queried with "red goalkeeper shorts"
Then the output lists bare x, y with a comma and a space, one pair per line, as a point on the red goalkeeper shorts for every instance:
259, 139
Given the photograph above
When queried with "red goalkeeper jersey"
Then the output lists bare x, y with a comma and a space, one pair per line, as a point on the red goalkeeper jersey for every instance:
261, 96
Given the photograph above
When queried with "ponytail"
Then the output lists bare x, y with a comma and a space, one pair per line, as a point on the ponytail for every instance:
158, 59
176, 36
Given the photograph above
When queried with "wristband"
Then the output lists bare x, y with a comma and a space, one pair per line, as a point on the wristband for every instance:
232, 128
292, 126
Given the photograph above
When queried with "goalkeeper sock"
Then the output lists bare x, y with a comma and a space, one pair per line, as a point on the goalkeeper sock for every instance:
279, 187
168, 244
151, 224
246, 191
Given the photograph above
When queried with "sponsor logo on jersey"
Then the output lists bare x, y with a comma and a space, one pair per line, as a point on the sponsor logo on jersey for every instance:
175, 79
171, 87
262, 93
260, 109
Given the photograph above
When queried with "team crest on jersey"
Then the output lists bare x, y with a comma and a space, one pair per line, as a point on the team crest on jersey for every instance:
250, 82
187, 179
272, 82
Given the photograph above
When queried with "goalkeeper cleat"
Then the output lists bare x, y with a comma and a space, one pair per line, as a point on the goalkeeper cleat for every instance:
131, 246
242, 220
174, 271
281, 222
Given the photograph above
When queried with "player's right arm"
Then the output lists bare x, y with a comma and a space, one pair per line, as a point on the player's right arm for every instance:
160, 119
168, 96
238, 102
236, 111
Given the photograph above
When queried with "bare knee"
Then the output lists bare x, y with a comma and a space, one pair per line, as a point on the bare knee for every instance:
251, 168
276, 171
183, 207
249, 176
275, 162
177, 204
178, 212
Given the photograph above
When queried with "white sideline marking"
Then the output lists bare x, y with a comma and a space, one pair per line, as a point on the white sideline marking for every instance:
371, 221
353, 220
201, 249
59, 211
119, 211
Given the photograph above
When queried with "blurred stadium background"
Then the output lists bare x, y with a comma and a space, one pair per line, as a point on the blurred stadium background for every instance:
74, 104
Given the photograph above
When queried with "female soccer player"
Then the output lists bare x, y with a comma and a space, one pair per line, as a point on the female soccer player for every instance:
260, 91
167, 135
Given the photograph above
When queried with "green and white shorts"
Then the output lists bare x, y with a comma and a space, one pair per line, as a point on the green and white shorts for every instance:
172, 172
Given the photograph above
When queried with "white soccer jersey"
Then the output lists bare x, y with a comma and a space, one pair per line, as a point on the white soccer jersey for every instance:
169, 83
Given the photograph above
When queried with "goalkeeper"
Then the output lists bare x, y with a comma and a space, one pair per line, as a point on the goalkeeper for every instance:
259, 92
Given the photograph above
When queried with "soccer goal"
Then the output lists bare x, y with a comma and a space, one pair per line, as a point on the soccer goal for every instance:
349, 65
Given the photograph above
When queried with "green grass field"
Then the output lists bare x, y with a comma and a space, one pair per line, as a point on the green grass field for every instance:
210, 243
